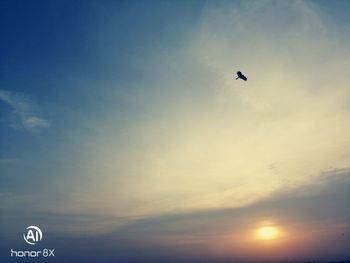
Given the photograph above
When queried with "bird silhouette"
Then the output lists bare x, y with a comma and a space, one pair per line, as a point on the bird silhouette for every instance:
241, 76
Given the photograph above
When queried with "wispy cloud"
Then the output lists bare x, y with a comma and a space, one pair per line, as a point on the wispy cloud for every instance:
22, 114
223, 232
209, 141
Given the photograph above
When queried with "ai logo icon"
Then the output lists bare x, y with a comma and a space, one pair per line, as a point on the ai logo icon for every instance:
33, 235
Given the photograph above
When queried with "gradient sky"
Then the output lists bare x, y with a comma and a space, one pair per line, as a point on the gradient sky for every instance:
126, 138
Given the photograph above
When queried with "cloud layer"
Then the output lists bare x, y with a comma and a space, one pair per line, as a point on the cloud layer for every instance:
203, 140
23, 112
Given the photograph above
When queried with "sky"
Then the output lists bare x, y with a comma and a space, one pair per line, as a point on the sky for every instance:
125, 137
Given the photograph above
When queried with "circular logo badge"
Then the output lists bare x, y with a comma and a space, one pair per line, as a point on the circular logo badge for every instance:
33, 235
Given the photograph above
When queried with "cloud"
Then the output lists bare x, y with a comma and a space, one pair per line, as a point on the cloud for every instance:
192, 138
205, 140
23, 114
35, 122
317, 211
312, 218
198, 139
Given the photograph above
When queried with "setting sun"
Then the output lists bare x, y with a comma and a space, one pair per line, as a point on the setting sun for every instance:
267, 233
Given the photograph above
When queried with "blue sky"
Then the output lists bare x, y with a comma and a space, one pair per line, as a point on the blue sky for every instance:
122, 127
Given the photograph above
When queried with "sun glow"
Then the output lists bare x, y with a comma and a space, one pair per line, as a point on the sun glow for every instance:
267, 233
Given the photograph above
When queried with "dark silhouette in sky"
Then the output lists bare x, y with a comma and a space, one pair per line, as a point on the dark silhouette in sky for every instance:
241, 76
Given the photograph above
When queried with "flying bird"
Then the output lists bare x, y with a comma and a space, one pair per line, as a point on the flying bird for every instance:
241, 76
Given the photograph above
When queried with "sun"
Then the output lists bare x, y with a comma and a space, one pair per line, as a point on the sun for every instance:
267, 233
